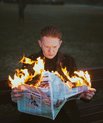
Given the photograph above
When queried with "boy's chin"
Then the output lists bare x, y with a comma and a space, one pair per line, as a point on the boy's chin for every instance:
50, 57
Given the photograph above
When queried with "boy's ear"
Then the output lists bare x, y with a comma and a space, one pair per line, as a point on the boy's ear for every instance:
39, 42
60, 42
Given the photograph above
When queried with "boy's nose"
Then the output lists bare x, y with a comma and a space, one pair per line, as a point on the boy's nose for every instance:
50, 50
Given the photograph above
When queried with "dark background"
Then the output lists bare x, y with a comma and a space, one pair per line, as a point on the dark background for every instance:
20, 24
81, 22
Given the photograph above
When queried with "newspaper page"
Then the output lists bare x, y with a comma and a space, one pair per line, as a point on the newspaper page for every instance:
48, 99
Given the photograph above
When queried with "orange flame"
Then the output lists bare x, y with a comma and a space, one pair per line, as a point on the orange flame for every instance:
26, 60
80, 78
22, 76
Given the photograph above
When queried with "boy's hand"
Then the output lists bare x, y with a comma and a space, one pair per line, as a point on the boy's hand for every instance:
16, 94
88, 95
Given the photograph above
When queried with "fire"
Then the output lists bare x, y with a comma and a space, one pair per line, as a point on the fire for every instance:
80, 78
38, 66
22, 76
26, 60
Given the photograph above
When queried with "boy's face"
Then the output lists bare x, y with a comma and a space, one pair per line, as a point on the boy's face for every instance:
50, 46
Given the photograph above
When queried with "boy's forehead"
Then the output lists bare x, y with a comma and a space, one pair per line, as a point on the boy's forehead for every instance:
49, 38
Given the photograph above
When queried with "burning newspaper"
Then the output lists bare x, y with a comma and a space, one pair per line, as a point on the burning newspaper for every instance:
50, 93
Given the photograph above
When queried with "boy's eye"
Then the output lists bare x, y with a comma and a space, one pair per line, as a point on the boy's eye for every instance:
47, 47
54, 47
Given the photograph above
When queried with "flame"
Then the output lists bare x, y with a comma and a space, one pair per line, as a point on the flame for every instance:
80, 78
38, 66
26, 60
68, 83
22, 76
39, 69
